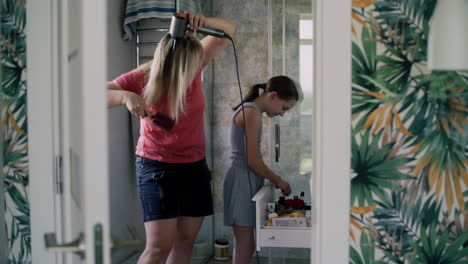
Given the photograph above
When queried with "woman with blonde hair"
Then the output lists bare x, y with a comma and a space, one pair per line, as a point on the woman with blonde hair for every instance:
172, 176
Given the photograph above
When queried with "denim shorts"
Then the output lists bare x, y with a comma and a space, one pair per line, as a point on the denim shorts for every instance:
170, 190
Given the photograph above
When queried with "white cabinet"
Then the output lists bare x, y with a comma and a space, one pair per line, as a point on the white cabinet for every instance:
290, 237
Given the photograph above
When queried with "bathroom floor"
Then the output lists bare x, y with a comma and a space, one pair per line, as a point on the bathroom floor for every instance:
264, 260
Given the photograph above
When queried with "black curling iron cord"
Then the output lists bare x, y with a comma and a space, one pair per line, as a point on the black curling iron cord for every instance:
243, 113
245, 129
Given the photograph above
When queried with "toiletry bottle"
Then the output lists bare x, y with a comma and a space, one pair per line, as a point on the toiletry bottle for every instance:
308, 214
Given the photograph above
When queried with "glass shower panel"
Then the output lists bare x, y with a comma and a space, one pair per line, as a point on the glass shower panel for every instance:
290, 151
203, 248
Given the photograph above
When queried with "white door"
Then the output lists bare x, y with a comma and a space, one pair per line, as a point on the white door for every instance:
68, 131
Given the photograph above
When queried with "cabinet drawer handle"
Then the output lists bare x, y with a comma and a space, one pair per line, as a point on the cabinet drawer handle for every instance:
277, 142
272, 237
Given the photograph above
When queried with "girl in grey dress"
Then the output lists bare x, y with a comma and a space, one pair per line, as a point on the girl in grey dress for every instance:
248, 172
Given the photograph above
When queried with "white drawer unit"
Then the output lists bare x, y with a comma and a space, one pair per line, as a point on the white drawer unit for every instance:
288, 237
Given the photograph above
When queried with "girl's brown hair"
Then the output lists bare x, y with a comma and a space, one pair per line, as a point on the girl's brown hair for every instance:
282, 85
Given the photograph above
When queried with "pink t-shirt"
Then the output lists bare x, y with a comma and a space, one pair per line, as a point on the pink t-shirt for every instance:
185, 142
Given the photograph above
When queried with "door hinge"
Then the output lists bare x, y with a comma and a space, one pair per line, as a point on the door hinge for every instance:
58, 174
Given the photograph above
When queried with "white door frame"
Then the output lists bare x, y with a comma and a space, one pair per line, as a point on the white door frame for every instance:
331, 131
42, 87
96, 171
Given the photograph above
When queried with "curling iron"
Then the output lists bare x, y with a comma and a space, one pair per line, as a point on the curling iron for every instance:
180, 25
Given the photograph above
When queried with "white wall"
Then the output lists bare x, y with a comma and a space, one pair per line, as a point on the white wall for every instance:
125, 208
332, 127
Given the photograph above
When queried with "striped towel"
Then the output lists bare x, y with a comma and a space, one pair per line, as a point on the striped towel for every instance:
140, 9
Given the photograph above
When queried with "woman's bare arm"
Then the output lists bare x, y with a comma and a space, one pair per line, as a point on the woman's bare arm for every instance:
117, 96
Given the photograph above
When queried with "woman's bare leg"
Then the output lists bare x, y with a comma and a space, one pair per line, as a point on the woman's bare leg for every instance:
187, 231
160, 236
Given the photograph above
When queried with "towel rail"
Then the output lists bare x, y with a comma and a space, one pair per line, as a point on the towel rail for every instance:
152, 29
148, 34
146, 43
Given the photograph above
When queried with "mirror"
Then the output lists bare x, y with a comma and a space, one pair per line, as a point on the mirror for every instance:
292, 55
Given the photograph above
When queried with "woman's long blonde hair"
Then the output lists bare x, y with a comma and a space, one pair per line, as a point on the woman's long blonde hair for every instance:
171, 72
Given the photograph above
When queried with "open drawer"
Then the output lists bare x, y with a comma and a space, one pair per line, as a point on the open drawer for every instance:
267, 236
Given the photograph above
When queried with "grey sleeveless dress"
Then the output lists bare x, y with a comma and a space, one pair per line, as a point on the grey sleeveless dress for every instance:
238, 192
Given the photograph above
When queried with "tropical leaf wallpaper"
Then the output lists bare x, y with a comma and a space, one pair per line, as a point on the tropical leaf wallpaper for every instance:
14, 130
409, 193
